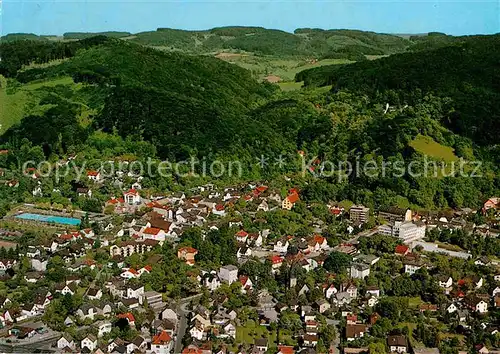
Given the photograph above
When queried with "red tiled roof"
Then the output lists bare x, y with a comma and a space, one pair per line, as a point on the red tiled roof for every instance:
219, 207
401, 249
116, 201
292, 198
92, 173
242, 233
188, 250
128, 316
132, 270
319, 239
132, 192
243, 280
192, 349
151, 230
276, 259
261, 189
285, 349
162, 338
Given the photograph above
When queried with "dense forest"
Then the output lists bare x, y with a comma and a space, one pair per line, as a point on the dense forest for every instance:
303, 42
467, 72
122, 98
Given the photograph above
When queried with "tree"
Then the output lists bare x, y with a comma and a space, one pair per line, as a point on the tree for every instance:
337, 262
377, 348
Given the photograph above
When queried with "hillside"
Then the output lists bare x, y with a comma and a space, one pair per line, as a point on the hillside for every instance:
106, 97
307, 43
144, 91
467, 71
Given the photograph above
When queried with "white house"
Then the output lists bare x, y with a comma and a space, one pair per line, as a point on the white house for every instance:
153, 233
211, 281
90, 342
330, 291
162, 343
452, 308
228, 273
135, 291
360, 270
66, 341
132, 197
445, 282
94, 176
103, 328
281, 246
397, 344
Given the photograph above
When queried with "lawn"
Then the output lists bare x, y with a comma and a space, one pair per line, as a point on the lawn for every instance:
285, 68
427, 146
16, 103
414, 301
449, 247
290, 86
251, 331
12, 107
248, 333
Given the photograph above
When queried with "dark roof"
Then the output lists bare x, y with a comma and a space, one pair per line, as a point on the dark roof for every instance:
399, 341
261, 342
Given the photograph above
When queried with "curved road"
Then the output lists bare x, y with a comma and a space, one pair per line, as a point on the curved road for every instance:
182, 312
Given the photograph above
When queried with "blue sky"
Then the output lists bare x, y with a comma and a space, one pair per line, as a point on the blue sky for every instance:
403, 16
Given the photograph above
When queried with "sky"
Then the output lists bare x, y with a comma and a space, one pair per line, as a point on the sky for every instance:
55, 17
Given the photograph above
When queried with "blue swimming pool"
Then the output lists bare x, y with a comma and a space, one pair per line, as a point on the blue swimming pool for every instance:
49, 218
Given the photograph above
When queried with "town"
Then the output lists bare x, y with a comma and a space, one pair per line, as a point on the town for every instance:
246, 268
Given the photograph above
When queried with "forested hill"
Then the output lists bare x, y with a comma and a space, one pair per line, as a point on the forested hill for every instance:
106, 98
181, 103
304, 42
467, 71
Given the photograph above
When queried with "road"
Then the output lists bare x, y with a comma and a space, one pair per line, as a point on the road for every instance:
182, 310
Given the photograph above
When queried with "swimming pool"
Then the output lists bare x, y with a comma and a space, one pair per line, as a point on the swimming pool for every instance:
49, 218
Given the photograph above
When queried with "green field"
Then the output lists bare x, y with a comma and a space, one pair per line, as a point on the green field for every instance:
251, 331
290, 86
286, 69
17, 101
248, 333
427, 146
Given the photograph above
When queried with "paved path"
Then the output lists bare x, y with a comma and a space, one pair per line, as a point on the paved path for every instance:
182, 311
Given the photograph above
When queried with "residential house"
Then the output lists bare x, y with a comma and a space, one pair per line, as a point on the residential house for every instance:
94, 293
330, 291
228, 273
162, 343
477, 302
103, 327
135, 291
397, 344
359, 214
89, 342
246, 284
355, 331
66, 341
281, 245
289, 201
260, 345
322, 305
87, 312
66, 288
132, 197
187, 254
359, 270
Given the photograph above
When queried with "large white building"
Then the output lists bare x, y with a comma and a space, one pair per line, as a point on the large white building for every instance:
360, 270
228, 273
408, 231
